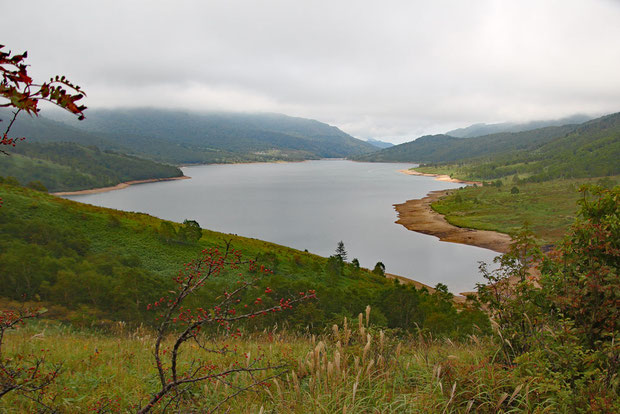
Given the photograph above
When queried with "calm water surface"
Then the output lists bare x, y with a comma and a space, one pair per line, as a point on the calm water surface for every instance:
311, 205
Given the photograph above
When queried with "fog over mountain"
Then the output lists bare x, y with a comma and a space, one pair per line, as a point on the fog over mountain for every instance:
185, 137
390, 71
478, 130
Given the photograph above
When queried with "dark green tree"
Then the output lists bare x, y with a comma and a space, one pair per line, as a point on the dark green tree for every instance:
191, 231
341, 252
379, 269
334, 267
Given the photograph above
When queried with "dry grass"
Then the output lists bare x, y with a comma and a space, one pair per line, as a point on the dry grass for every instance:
352, 368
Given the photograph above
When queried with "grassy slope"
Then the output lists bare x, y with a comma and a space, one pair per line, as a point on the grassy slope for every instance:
547, 208
116, 231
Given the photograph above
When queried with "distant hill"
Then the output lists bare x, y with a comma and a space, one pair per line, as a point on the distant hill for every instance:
445, 148
64, 166
379, 144
112, 146
478, 130
591, 149
187, 137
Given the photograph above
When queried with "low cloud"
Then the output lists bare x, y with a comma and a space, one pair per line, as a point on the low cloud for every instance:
393, 71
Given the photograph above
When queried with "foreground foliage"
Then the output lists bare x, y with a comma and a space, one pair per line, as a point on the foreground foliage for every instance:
20, 92
561, 322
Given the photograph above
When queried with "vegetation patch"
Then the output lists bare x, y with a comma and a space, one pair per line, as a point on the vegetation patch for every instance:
547, 208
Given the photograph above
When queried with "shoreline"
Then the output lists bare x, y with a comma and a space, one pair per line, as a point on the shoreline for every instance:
418, 215
118, 186
440, 177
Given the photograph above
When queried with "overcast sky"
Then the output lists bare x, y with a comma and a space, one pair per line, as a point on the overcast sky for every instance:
391, 70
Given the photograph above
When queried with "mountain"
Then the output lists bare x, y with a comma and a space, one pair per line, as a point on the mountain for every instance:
478, 130
187, 137
112, 146
445, 148
591, 149
379, 144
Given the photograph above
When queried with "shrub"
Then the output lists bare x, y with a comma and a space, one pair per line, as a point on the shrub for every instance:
562, 326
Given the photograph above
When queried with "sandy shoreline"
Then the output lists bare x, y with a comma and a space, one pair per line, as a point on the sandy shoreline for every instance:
417, 215
118, 186
439, 177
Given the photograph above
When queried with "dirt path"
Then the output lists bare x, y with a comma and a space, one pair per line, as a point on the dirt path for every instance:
118, 186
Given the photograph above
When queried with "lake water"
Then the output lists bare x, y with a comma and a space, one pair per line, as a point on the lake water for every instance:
311, 205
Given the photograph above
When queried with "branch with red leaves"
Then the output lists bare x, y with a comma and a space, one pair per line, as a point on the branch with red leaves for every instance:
187, 325
25, 374
23, 94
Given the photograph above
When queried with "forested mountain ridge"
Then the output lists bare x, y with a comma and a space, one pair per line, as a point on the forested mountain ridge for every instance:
590, 149
186, 137
445, 148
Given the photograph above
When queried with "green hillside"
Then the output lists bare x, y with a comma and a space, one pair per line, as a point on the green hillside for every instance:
185, 137
89, 263
63, 166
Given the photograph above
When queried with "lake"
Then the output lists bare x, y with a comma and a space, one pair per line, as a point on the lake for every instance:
311, 205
